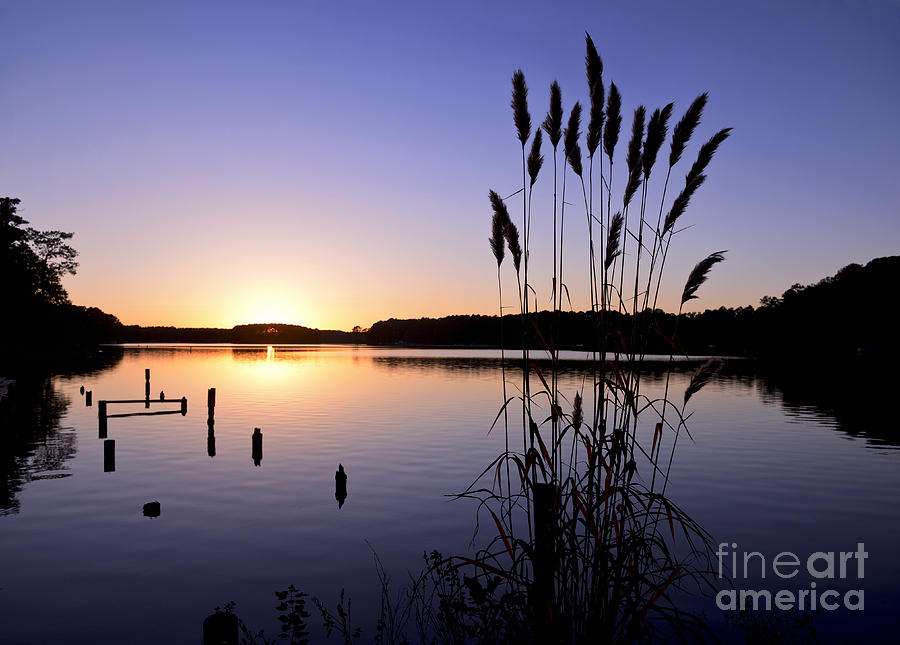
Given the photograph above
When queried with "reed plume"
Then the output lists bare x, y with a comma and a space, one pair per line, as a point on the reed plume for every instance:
637, 139
553, 121
497, 238
699, 275
684, 129
681, 202
634, 182
571, 135
656, 134
613, 121
594, 68
575, 159
519, 104
612, 240
535, 159
707, 150
573, 129
702, 376
592, 62
512, 240
633, 160
499, 208
595, 124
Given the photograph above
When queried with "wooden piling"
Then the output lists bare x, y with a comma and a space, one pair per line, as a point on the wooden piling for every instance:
211, 404
257, 446
109, 456
183, 406
101, 418
147, 387
340, 485
178, 400
88, 398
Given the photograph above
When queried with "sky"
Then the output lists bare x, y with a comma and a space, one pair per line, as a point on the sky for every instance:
328, 163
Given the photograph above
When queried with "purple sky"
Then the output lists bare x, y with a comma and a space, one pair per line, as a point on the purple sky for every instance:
328, 163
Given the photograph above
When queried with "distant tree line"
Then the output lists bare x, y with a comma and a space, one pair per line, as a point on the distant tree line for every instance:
259, 333
838, 316
720, 331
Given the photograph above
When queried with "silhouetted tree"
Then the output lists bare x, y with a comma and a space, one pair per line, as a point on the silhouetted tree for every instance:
17, 259
33, 262
36, 306
56, 259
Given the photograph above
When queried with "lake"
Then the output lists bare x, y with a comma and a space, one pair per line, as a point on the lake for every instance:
776, 464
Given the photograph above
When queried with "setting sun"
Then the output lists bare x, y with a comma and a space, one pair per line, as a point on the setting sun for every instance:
267, 306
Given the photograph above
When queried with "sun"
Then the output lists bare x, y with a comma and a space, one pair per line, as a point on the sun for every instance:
267, 308
254, 303
271, 315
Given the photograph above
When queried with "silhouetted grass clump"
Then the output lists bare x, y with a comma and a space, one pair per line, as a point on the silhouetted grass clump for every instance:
586, 546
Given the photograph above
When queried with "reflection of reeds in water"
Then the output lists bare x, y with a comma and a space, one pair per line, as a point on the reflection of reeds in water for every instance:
587, 546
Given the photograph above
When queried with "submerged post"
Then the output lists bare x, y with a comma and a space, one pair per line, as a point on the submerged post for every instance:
101, 418
211, 404
340, 485
546, 505
211, 422
220, 628
109, 456
257, 447
88, 398
147, 388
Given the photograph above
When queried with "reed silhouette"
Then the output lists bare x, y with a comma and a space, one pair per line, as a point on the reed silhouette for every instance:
587, 546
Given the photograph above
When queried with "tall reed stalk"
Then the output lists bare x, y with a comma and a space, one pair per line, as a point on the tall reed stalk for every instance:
552, 125
522, 120
497, 241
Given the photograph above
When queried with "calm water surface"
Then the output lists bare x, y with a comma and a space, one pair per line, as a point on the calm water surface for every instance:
772, 468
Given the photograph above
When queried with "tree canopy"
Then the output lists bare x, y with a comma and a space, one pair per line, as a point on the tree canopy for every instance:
33, 262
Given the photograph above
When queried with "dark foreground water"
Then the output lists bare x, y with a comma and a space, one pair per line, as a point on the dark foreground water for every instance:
776, 465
